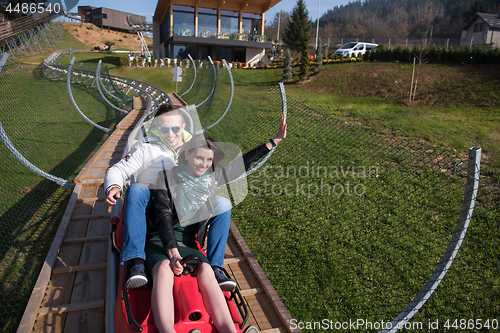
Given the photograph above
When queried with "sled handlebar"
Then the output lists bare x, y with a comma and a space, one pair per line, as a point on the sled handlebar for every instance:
191, 269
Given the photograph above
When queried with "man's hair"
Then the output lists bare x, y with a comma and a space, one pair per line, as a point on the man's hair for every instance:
169, 109
202, 141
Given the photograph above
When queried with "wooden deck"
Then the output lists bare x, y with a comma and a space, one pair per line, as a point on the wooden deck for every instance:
70, 293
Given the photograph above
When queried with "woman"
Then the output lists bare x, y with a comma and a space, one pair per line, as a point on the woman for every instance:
192, 187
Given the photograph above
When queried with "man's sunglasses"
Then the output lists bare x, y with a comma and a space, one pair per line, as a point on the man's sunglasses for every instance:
174, 129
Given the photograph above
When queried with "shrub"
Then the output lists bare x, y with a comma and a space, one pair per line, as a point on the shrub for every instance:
432, 54
397, 54
123, 61
304, 59
287, 72
406, 55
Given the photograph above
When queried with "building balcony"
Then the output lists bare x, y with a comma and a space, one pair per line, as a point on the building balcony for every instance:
206, 37
209, 32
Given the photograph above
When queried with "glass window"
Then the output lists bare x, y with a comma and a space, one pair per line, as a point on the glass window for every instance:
207, 11
179, 8
165, 28
192, 50
246, 26
181, 51
207, 25
183, 23
226, 53
229, 24
251, 16
205, 52
229, 13
478, 27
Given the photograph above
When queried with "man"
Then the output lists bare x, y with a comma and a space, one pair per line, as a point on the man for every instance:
159, 150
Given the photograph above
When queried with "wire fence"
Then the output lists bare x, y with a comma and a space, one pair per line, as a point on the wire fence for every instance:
40, 121
393, 42
348, 225
355, 227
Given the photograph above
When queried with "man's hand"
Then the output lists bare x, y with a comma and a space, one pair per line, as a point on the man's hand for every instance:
113, 194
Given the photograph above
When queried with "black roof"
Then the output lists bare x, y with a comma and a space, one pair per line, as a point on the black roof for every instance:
492, 20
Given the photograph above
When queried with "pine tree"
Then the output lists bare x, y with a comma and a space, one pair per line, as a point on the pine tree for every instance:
304, 59
296, 28
287, 72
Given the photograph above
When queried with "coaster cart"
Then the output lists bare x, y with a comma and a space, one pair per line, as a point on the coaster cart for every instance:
131, 309
133, 313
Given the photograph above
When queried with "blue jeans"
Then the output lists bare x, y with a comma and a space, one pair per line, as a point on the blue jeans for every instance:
138, 205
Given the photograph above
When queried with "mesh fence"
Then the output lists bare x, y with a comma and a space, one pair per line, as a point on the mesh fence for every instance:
349, 225
43, 126
203, 86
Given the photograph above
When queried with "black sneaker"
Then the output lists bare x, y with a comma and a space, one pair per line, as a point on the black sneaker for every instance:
137, 278
225, 283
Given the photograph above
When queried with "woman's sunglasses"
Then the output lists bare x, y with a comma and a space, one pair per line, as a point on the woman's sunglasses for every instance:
174, 129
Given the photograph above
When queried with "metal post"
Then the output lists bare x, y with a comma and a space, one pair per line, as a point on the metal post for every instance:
317, 29
279, 22
34, 39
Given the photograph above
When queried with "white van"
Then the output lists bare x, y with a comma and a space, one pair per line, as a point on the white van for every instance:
354, 49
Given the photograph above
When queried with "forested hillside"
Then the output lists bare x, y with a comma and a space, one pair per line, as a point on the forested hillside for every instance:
402, 18
396, 19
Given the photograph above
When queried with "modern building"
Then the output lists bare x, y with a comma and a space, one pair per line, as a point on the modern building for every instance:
482, 30
105, 17
222, 29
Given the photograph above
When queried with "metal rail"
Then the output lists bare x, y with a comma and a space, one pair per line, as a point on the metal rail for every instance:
194, 78
451, 251
63, 182
98, 82
68, 84
213, 87
230, 98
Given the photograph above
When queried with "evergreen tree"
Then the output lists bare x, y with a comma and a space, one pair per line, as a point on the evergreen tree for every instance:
304, 59
477, 7
287, 71
296, 28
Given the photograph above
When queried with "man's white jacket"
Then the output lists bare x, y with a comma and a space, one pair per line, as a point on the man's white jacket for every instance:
149, 156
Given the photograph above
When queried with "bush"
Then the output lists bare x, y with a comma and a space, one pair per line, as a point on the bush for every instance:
123, 61
397, 54
287, 72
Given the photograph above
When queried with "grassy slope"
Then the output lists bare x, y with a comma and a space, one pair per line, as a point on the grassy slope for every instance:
455, 124
340, 257
43, 125
457, 107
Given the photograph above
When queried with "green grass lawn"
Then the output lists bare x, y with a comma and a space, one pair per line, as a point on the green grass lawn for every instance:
356, 207
454, 127
42, 124
349, 224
